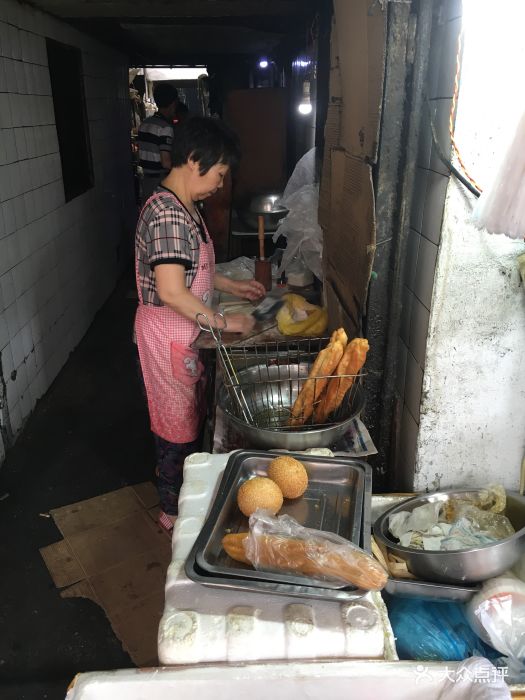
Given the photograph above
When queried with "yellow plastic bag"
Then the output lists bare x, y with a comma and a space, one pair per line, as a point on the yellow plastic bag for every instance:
299, 317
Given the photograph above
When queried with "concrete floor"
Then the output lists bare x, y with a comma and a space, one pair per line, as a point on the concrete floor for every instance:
88, 435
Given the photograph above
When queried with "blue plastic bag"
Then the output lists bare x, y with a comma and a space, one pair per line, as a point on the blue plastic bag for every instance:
429, 631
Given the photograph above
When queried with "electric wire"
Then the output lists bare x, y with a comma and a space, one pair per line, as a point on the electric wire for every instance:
453, 114
446, 161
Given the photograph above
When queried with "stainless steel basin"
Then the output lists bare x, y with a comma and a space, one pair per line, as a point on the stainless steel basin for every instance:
460, 566
270, 392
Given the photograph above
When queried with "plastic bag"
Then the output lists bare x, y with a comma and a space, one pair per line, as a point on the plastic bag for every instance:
303, 174
280, 544
429, 631
299, 317
421, 519
300, 227
497, 615
239, 269
475, 527
493, 499
501, 207
242, 268
458, 523
464, 534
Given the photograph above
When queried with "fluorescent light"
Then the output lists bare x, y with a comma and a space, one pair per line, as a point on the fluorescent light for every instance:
305, 108
180, 73
301, 63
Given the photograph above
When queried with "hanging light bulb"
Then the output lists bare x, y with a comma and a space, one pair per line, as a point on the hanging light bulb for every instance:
263, 63
305, 106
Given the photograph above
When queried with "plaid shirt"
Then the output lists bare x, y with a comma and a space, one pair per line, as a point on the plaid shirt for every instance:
166, 233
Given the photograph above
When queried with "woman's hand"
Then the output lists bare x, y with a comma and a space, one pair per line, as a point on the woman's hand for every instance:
239, 323
248, 289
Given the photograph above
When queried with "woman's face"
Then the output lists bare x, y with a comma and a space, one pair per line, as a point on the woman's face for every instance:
208, 184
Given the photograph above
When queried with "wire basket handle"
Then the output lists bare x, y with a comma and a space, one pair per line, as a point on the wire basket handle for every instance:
205, 325
227, 366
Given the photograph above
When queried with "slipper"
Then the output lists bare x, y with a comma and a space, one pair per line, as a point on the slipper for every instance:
165, 523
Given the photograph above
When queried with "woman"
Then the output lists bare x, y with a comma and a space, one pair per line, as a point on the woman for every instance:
175, 280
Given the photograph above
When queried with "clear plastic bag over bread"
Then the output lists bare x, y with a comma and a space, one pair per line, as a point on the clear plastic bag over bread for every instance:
281, 544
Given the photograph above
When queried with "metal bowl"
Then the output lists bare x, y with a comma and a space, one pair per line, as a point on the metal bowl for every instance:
270, 398
263, 205
463, 566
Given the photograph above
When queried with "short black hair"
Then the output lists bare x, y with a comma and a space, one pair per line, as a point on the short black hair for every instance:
164, 94
207, 141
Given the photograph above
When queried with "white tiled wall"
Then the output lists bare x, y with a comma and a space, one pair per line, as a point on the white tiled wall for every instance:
472, 416
58, 261
430, 188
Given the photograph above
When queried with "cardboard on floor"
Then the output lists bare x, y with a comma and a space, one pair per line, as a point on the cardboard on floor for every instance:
114, 553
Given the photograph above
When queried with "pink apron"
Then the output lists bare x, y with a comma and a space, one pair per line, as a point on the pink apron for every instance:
172, 370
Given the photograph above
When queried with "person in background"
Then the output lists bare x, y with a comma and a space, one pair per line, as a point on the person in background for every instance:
155, 138
175, 275
182, 113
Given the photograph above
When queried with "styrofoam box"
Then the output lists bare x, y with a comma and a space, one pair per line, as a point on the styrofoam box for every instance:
204, 624
343, 680
245, 632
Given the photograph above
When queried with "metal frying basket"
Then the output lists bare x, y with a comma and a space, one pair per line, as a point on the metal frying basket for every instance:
271, 375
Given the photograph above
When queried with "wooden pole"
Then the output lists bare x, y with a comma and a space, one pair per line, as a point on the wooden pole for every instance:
261, 236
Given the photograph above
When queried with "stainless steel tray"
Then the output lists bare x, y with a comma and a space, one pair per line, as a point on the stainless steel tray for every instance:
332, 502
196, 574
439, 592
253, 585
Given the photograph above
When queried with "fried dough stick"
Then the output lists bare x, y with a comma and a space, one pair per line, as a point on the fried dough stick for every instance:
352, 361
340, 335
311, 558
324, 365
